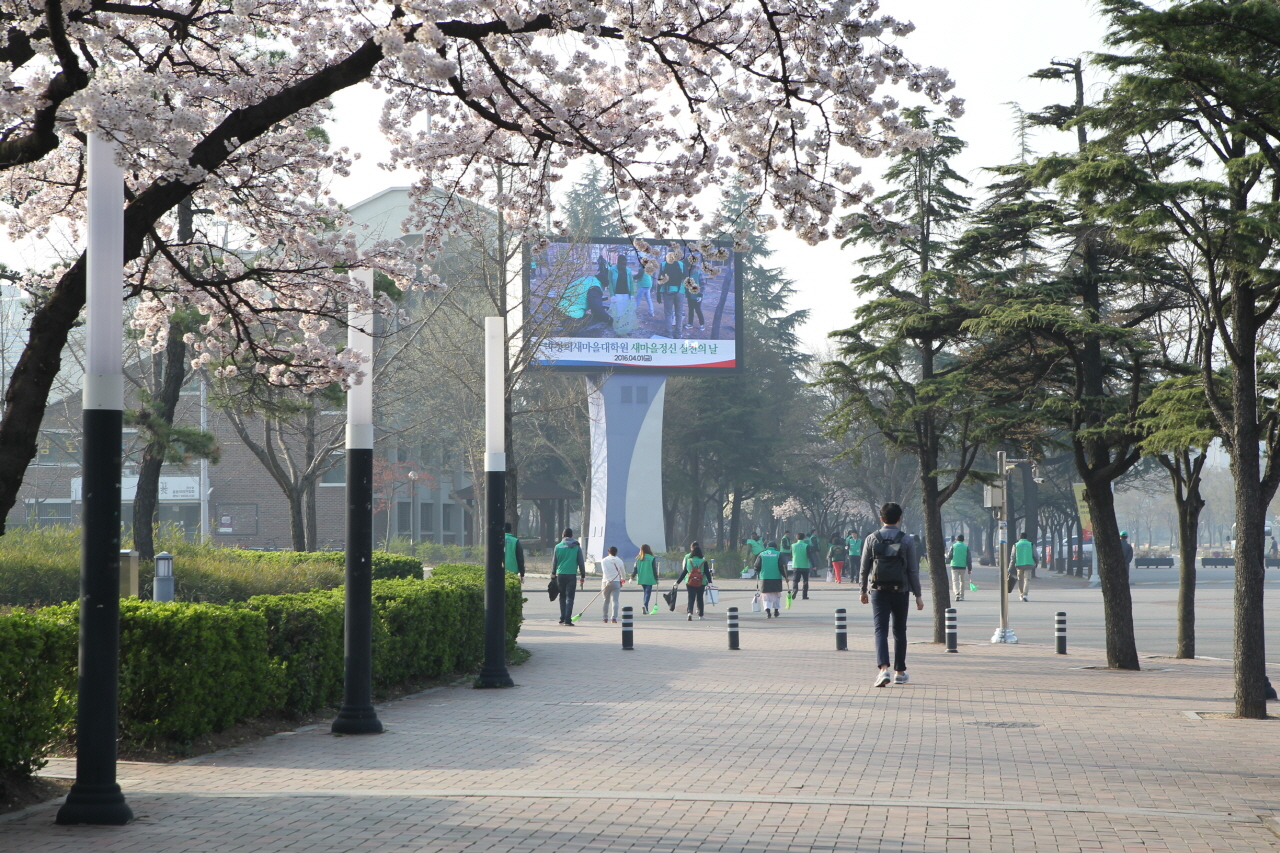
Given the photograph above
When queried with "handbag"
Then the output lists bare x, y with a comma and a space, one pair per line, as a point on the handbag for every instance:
670, 598
755, 603
553, 588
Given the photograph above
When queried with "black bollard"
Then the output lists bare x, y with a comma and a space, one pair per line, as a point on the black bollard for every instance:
628, 635
952, 631
1060, 632
733, 629
842, 631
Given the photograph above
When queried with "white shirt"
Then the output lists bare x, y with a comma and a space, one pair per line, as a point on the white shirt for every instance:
613, 569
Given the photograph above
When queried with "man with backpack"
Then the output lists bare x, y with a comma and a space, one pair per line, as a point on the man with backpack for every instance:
960, 563
890, 575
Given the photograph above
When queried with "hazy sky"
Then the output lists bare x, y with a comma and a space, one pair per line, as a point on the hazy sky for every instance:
989, 47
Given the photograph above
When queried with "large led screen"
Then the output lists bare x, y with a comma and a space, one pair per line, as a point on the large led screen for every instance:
643, 306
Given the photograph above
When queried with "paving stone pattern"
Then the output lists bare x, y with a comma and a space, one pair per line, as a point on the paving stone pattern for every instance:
682, 745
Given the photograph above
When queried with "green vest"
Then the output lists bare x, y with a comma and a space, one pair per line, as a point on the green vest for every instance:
755, 546
786, 543
855, 547
566, 559
800, 555
512, 564
770, 564
960, 555
573, 302
1024, 554
645, 575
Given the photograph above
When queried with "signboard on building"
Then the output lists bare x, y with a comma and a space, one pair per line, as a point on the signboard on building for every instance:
172, 489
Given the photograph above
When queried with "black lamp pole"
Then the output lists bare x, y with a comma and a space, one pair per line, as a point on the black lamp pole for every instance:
357, 716
95, 797
494, 671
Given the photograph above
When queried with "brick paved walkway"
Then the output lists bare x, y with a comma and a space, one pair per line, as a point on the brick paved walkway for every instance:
683, 745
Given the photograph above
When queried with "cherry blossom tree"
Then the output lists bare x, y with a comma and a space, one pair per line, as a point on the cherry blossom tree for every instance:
220, 103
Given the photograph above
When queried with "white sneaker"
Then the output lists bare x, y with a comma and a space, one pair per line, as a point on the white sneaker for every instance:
900, 678
882, 678
1024, 598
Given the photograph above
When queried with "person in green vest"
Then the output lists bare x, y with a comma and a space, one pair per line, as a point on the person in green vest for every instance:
800, 565
583, 305
698, 571
771, 565
854, 542
513, 554
786, 542
1024, 563
961, 564
645, 573
566, 561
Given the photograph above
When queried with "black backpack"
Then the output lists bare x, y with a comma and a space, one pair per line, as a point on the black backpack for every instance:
888, 563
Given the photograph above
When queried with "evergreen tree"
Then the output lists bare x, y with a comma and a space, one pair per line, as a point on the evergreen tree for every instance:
591, 208
899, 367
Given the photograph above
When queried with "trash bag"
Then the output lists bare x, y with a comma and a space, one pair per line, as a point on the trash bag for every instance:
1013, 579
553, 588
973, 587
670, 598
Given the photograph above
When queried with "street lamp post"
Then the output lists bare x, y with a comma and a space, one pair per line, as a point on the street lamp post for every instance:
357, 716
494, 672
1000, 506
96, 797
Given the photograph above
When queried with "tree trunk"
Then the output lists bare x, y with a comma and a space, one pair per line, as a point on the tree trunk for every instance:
935, 552
160, 411
1188, 524
1117, 599
297, 519
1031, 509
1250, 642
735, 520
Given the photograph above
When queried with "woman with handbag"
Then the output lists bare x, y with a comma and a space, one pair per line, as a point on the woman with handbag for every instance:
645, 573
698, 571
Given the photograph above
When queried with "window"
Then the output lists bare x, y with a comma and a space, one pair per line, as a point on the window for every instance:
627, 391
426, 518
404, 518
642, 394
337, 475
446, 517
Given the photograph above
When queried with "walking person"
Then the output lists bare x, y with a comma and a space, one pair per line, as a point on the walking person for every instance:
693, 296
836, 555
567, 561
644, 290
613, 575
672, 286
890, 575
960, 562
1024, 563
513, 552
771, 566
1126, 550
698, 571
645, 573
800, 566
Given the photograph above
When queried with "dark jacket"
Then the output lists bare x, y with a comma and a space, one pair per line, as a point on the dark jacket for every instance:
909, 553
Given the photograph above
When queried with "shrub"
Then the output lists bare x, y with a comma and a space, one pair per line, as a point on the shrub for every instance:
187, 668
304, 639
38, 699
432, 554
39, 565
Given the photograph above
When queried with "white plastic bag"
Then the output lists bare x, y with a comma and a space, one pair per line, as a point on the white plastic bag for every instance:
713, 595
756, 607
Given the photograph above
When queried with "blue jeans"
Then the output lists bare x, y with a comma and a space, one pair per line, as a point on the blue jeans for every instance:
568, 586
886, 604
648, 591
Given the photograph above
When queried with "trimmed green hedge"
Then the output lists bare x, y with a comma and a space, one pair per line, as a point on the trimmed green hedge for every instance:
187, 668
40, 566
37, 701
